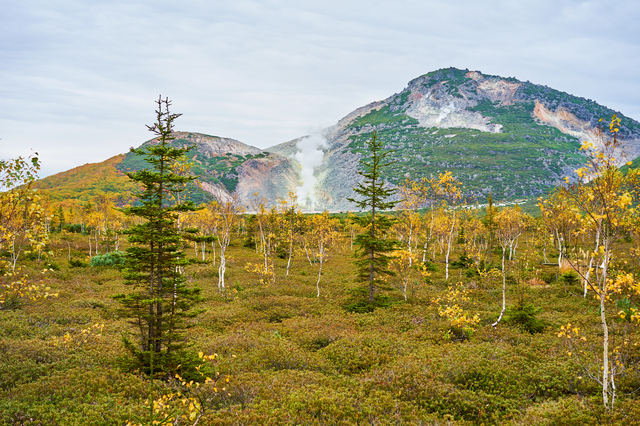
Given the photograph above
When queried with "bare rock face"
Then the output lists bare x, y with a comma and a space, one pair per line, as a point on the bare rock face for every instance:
443, 105
287, 149
209, 146
214, 145
219, 192
568, 123
446, 111
498, 90
271, 177
227, 168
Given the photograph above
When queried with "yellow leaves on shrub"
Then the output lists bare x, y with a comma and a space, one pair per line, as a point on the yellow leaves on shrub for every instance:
14, 285
73, 339
449, 307
626, 285
188, 400
267, 274
569, 332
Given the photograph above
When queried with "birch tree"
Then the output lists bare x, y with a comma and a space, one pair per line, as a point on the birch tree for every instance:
290, 221
403, 263
419, 194
477, 241
23, 219
408, 224
509, 226
561, 220
353, 228
449, 190
267, 225
227, 217
608, 200
323, 234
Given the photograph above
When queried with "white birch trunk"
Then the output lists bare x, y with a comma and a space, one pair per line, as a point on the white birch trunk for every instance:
290, 255
504, 290
449, 243
559, 250
586, 276
221, 271
319, 275
605, 333
306, 251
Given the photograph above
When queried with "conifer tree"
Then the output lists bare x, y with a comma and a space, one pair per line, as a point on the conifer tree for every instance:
159, 301
374, 245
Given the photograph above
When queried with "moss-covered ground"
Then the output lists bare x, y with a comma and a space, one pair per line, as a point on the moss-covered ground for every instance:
293, 358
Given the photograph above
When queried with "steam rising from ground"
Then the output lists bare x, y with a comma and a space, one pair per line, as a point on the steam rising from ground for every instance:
309, 156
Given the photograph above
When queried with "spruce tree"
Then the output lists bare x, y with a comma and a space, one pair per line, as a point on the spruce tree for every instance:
373, 243
159, 301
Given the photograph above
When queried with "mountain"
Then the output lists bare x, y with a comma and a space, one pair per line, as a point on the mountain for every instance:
498, 135
224, 166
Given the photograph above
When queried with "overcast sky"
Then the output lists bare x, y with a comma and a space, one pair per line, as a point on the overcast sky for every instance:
78, 78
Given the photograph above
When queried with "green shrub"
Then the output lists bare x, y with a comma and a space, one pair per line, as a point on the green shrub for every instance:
359, 302
277, 314
12, 302
114, 258
281, 252
184, 362
548, 276
74, 228
52, 265
249, 242
524, 315
354, 355
458, 334
430, 266
363, 306
462, 262
471, 272
570, 278
76, 263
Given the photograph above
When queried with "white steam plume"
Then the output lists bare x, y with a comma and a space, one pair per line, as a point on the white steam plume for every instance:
309, 156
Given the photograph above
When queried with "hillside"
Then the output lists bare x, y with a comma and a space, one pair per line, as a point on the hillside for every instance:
498, 135
224, 167
83, 183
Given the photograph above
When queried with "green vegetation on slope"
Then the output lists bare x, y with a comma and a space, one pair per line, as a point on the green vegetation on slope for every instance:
215, 169
384, 116
524, 160
635, 164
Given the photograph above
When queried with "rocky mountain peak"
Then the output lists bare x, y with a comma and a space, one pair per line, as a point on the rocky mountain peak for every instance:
498, 135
